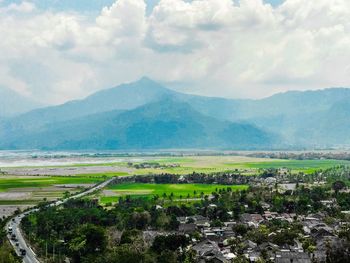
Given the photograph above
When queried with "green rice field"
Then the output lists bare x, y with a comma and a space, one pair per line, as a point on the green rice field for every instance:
162, 190
7, 183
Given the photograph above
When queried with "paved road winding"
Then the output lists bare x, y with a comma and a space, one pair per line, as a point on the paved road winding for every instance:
20, 243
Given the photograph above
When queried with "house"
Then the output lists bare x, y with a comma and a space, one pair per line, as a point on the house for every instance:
230, 224
297, 247
250, 244
282, 188
212, 236
268, 246
287, 217
208, 250
270, 181
198, 220
252, 256
329, 203
187, 228
217, 259
181, 219
318, 233
292, 257
265, 205
324, 244
205, 247
270, 215
228, 255
202, 223
252, 219
311, 224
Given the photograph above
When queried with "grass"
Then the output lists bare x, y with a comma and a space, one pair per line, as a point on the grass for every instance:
38, 188
18, 202
7, 183
178, 190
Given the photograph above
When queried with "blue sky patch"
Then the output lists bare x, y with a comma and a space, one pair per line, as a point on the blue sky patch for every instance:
92, 6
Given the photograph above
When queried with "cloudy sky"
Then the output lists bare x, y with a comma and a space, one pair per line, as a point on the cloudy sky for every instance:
56, 50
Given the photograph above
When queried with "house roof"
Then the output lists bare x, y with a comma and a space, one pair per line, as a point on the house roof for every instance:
289, 256
205, 247
187, 227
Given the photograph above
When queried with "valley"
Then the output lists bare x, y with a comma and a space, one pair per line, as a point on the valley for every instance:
29, 185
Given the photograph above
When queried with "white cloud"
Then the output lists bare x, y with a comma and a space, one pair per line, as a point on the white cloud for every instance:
124, 18
8, 80
216, 47
23, 7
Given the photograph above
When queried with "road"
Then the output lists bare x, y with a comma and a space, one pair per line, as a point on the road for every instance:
20, 243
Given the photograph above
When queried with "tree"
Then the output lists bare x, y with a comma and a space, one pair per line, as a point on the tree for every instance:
66, 194
87, 239
170, 242
140, 220
162, 220
167, 257
6, 255
337, 186
125, 254
130, 236
240, 229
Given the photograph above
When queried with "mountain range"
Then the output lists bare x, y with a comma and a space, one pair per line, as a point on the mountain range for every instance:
146, 115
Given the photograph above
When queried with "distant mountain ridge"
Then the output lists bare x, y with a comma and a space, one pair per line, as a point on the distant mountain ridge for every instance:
146, 115
163, 124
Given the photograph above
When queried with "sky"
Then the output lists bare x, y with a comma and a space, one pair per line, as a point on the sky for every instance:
57, 50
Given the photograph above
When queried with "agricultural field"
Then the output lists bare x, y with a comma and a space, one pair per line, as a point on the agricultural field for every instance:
28, 185
24, 191
177, 165
176, 191
245, 165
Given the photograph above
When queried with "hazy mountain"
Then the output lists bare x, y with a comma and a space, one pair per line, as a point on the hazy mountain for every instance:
123, 97
303, 119
330, 127
12, 103
311, 118
293, 103
159, 125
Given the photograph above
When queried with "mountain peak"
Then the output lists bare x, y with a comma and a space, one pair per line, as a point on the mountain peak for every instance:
146, 79
145, 84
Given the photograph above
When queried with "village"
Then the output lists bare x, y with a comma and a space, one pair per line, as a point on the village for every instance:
316, 231
225, 243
